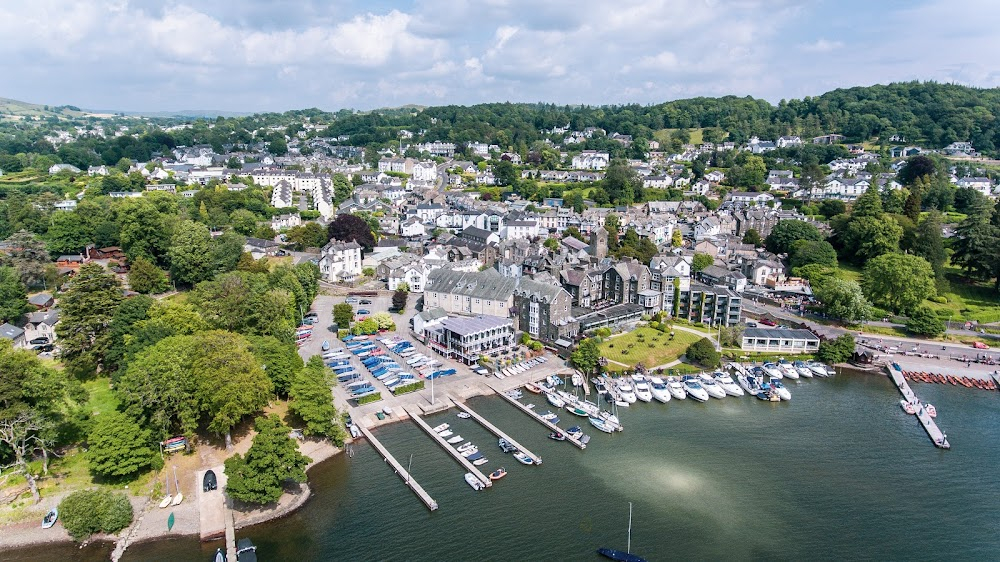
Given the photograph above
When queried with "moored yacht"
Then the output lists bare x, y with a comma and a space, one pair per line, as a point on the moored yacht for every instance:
625, 391
748, 382
642, 391
803, 369
556, 401
659, 389
818, 369
772, 371
711, 387
780, 390
788, 369
676, 388
725, 380
694, 389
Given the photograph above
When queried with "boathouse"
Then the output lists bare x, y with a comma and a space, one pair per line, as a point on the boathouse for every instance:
775, 340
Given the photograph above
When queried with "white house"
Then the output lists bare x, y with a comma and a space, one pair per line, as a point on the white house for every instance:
412, 227
519, 229
591, 160
281, 222
657, 182
788, 141
428, 212
750, 197
340, 261
982, 185
425, 171
414, 275
715, 176
281, 196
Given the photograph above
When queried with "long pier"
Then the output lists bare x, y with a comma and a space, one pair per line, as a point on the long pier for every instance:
495, 430
403, 474
534, 415
937, 436
451, 450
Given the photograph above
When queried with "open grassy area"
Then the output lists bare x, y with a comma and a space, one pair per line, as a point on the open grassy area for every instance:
968, 301
647, 346
849, 272
663, 135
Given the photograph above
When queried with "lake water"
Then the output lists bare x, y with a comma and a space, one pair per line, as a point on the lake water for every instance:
840, 472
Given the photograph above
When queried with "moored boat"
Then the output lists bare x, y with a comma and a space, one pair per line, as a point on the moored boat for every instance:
725, 380
908, 407
556, 436
575, 432
505, 445
498, 473
473, 482
772, 371
441, 428
659, 389
643, 392
556, 401
931, 410
533, 388
601, 425
619, 555
480, 461
780, 390
464, 415
693, 389
523, 458
50, 518
803, 369
445, 433
788, 369
455, 439
708, 383
676, 388
246, 551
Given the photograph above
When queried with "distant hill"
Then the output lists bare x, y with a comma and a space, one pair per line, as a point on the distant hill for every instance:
207, 113
14, 109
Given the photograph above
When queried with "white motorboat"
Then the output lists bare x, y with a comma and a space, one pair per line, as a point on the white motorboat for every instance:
471, 480
748, 383
445, 433
464, 446
625, 391
611, 420
818, 368
441, 428
601, 425
464, 415
788, 369
577, 379
711, 387
480, 461
780, 390
694, 389
556, 401
642, 391
470, 451
676, 388
725, 380
803, 369
659, 389
455, 439
773, 371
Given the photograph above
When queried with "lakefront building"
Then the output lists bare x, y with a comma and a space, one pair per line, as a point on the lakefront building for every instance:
469, 338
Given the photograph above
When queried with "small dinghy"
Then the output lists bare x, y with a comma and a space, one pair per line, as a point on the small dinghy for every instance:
50, 518
556, 436
931, 410
907, 407
523, 458
464, 415
455, 439
445, 433
480, 461
441, 428
498, 473
210, 482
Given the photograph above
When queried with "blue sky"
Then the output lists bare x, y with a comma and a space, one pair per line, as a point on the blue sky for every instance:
256, 55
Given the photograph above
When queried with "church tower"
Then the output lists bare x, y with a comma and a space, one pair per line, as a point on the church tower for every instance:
599, 243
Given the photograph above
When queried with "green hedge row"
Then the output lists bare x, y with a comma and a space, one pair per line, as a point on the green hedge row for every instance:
407, 388
370, 398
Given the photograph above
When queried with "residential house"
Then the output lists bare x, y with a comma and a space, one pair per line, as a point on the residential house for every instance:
412, 227
710, 305
519, 229
260, 248
481, 292
980, 184
41, 301
752, 198
281, 195
543, 311
14, 334
715, 176
41, 324
591, 160
716, 275
340, 261
784, 142
286, 221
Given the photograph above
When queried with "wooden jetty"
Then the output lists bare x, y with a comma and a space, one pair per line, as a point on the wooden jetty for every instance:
403, 474
534, 415
230, 532
469, 467
937, 436
495, 430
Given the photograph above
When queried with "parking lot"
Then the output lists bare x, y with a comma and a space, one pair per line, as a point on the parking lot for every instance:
463, 384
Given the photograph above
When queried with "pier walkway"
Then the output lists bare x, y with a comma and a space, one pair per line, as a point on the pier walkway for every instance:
469, 467
403, 474
926, 421
495, 430
533, 414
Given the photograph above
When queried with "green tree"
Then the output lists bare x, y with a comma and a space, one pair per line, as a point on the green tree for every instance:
312, 401
129, 312
924, 322
703, 353
898, 282
837, 350
701, 261
86, 312
280, 360
308, 235
843, 299
574, 232
244, 222
27, 254
977, 243
272, 460
754, 171
144, 230
278, 146
805, 252
868, 237
190, 253
552, 244
612, 225
232, 384
226, 251
13, 297
752, 237
67, 234
87, 512
158, 387
586, 356
144, 277
343, 313
787, 232
118, 447
676, 240
830, 208
505, 173
929, 245
623, 184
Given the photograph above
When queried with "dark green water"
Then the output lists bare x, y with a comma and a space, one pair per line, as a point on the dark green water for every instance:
840, 472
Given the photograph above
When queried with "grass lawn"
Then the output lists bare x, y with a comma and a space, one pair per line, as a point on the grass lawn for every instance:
647, 346
849, 272
663, 135
968, 301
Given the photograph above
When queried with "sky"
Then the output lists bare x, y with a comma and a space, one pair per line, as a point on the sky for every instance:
276, 55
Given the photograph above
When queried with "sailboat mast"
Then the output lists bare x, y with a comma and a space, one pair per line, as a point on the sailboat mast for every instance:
628, 547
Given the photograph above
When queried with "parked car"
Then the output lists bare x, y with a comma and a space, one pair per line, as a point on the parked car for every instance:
366, 301
767, 322
39, 341
364, 311
351, 300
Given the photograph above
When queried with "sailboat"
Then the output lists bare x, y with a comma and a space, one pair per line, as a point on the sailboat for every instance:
167, 497
178, 496
626, 556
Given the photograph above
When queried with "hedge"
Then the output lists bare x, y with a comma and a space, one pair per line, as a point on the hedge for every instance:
86, 512
407, 388
369, 398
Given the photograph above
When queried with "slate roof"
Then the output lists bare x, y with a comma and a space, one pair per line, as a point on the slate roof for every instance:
544, 292
463, 325
487, 284
779, 334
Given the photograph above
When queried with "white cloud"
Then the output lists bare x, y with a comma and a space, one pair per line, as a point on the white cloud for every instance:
821, 46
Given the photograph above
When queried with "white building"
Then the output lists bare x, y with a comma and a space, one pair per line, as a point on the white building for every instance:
425, 171
281, 195
591, 160
982, 185
519, 229
414, 275
340, 261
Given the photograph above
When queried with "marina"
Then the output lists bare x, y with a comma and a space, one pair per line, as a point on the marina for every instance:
534, 415
455, 453
403, 474
495, 430
937, 436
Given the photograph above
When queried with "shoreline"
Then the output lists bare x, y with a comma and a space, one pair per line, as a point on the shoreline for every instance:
27, 535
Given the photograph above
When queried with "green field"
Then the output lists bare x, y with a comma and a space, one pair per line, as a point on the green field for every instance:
647, 346
663, 135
